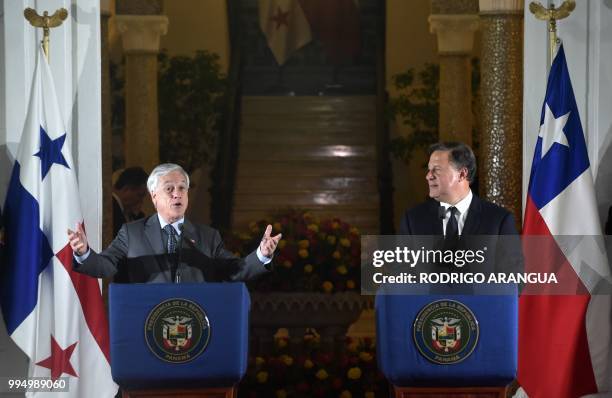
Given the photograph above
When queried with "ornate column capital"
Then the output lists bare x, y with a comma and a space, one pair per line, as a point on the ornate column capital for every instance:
501, 6
455, 32
141, 33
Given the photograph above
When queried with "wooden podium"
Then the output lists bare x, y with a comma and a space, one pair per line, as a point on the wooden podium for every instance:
460, 392
230, 392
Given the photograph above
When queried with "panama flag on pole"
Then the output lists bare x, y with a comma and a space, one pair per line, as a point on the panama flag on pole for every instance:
564, 340
55, 315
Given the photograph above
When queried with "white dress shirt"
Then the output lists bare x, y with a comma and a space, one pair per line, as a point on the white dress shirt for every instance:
462, 207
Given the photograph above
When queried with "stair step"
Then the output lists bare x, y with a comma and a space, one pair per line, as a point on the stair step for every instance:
348, 167
313, 152
306, 198
262, 184
306, 104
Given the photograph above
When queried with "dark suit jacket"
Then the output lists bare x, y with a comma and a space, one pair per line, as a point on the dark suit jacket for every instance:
139, 254
484, 218
484, 223
119, 218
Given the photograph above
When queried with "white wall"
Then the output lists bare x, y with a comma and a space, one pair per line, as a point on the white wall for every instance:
75, 63
587, 40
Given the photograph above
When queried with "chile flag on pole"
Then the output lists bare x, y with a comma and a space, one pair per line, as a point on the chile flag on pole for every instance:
564, 340
55, 315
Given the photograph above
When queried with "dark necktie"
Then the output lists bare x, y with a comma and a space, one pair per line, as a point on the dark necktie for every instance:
171, 233
452, 228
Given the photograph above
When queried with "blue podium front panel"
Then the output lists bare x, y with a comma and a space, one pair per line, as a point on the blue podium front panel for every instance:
405, 360
149, 323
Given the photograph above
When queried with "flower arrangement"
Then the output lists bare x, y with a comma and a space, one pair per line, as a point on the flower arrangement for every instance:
350, 374
312, 256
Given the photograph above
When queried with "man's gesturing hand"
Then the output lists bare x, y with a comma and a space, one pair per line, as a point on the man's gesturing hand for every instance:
78, 240
268, 243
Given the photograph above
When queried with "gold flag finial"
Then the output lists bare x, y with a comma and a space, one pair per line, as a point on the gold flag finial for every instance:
46, 22
552, 15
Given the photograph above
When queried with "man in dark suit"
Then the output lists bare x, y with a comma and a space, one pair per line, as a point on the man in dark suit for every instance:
129, 192
454, 212
166, 247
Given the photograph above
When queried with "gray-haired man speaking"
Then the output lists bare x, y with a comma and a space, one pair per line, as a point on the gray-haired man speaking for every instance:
167, 247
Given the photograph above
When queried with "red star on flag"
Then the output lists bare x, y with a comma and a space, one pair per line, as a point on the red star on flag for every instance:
59, 361
281, 18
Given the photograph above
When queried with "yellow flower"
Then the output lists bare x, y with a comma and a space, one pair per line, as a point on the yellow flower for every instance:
308, 364
365, 356
262, 377
369, 394
282, 244
335, 225
331, 239
287, 264
259, 361
308, 268
354, 230
303, 253
313, 227
287, 360
281, 343
341, 269
350, 284
281, 394
336, 254
303, 244
345, 242
277, 226
346, 394
327, 286
354, 373
353, 346
321, 374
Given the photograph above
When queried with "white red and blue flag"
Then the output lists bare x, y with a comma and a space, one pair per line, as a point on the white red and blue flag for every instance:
564, 339
55, 315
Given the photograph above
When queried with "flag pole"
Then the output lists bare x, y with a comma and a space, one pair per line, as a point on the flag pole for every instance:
552, 15
46, 22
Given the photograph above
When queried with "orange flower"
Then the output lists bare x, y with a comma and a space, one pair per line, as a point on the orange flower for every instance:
336, 254
365, 356
262, 377
303, 244
303, 253
346, 394
350, 284
341, 269
308, 364
322, 374
327, 286
354, 373
313, 227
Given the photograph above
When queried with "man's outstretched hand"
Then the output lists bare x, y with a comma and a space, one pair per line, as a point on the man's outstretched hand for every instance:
268, 243
78, 240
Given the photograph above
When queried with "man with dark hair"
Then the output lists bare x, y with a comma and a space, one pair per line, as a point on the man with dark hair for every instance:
453, 209
129, 192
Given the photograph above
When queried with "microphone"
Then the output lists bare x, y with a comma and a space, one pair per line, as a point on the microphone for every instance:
179, 249
441, 212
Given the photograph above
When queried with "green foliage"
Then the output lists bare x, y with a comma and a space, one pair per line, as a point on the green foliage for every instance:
191, 97
417, 106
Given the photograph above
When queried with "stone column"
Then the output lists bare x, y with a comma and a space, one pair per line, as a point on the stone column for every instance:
141, 27
502, 103
454, 23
